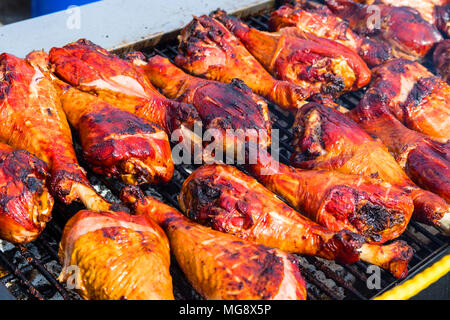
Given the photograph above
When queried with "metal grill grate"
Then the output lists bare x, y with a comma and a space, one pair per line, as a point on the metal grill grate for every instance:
30, 271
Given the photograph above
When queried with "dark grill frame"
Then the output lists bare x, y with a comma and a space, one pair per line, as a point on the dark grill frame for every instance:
30, 271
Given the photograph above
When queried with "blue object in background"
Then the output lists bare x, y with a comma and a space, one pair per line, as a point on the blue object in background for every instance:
41, 7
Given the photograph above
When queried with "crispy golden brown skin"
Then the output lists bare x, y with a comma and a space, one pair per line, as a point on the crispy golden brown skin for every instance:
25, 203
91, 68
417, 98
337, 201
425, 161
227, 200
33, 120
210, 50
221, 266
225, 107
302, 58
116, 256
434, 11
311, 17
408, 34
328, 140
441, 59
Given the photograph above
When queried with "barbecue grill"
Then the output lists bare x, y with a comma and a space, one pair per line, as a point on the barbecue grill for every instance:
30, 271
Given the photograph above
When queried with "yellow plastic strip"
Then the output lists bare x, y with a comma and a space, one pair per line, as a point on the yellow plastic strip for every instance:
419, 282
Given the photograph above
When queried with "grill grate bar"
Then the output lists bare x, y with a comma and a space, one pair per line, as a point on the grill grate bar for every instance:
30, 290
426, 233
36, 263
311, 279
334, 276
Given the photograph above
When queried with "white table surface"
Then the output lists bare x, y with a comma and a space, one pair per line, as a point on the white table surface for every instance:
110, 23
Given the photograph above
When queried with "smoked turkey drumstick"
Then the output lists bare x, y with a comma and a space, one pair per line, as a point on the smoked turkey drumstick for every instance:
33, 120
91, 68
408, 34
435, 12
323, 65
325, 139
227, 200
312, 17
114, 142
226, 107
218, 265
115, 256
425, 161
337, 201
417, 98
25, 203
209, 50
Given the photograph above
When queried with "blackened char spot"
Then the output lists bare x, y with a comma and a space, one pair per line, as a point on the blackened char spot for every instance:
204, 191
344, 246
421, 89
33, 184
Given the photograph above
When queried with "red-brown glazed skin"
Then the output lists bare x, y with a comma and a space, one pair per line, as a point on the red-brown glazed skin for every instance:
116, 256
328, 140
218, 265
210, 50
221, 106
33, 120
436, 12
408, 34
337, 201
417, 98
227, 200
116, 142
25, 203
425, 161
441, 59
301, 58
315, 18
91, 68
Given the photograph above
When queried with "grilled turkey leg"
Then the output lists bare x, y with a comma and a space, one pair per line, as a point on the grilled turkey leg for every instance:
209, 50
327, 140
114, 142
226, 107
308, 16
218, 265
226, 199
408, 34
424, 160
26, 204
115, 256
417, 98
434, 11
304, 59
375, 209
33, 120
91, 68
